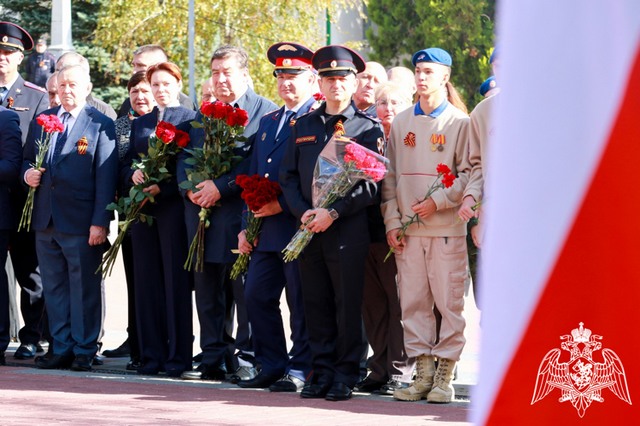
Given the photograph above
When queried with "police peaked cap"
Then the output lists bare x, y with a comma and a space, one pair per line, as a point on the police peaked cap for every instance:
13, 37
336, 60
290, 58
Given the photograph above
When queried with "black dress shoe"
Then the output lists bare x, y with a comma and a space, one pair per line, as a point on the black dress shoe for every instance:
119, 352
261, 381
369, 385
53, 362
82, 363
390, 387
133, 365
315, 390
205, 372
3, 361
338, 392
147, 370
27, 351
288, 383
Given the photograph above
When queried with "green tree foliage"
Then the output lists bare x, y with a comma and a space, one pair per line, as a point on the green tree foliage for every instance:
35, 17
462, 27
123, 25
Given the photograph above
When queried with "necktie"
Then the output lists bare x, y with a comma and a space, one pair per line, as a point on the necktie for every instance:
3, 92
288, 115
62, 138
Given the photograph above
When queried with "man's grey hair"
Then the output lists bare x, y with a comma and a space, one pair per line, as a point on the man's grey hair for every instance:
72, 58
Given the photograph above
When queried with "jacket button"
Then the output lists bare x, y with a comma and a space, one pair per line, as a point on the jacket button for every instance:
266, 175
268, 160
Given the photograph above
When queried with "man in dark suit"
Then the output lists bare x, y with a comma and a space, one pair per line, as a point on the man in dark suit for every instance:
27, 100
229, 68
332, 265
268, 273
74, 187
10, 161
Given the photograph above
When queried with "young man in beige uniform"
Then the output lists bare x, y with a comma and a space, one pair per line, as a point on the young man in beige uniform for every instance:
432, 256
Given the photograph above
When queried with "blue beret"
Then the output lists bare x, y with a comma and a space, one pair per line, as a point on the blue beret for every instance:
487, 85
432, 54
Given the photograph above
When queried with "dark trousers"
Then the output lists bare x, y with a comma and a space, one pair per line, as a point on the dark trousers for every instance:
162, 290
211, 306
72, 290
382, 317
266, 278
25, 266
5, 321
332, 269
132, 326
236, 307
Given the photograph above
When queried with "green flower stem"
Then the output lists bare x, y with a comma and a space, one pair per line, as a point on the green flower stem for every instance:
196, 248
27, 211
241, 264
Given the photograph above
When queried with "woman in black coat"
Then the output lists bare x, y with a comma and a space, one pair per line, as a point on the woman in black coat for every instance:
162, 287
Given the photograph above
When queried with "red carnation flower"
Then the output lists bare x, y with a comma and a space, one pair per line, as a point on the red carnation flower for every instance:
443, 169
447, 180
50, 123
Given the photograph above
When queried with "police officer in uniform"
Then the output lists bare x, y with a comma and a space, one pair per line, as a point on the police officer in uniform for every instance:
27, 100
268, 274
10, 159
40, 64
332, 265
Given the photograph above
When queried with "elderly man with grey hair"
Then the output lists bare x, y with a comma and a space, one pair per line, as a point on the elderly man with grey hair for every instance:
74, 58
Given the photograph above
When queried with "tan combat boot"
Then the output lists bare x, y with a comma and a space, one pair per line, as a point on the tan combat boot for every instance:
442, 391
420, 387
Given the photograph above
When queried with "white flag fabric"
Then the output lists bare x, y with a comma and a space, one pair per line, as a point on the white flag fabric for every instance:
560, 266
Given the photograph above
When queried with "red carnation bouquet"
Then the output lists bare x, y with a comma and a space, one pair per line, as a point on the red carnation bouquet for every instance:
164, 144
50, 124
223, 126
444, 179
257, 192
340, 166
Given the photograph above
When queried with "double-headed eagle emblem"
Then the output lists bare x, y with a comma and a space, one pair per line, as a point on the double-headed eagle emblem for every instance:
581, 379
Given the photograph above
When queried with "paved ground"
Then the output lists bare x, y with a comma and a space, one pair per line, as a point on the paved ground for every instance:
110, 395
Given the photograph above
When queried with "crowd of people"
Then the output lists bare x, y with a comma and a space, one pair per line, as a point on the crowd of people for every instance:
345, 292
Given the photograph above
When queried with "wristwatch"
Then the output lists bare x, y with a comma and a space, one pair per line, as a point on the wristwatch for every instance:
334, 214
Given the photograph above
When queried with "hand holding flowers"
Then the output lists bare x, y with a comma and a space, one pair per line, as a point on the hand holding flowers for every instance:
223, 125
50, 124
422, 208
257, 193
149, 171
340, 166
